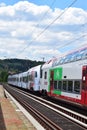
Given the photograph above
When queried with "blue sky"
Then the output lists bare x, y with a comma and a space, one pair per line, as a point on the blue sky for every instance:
57, 3
31, 29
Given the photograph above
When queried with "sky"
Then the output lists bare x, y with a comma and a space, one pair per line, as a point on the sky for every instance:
42, 29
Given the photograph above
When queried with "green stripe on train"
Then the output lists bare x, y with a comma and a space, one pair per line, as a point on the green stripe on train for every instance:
57, 92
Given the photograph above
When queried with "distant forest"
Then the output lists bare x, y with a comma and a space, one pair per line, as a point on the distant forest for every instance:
12, 66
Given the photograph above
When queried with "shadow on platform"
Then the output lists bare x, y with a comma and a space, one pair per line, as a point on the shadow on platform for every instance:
2, 123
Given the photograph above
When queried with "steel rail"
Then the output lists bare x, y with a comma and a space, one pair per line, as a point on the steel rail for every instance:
46, 123
74, 116
63, 112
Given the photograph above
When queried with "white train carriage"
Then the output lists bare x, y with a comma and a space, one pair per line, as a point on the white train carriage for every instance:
64, 77
23, 80
27, 80
13, 79
44, 76
67, 77
34, 78
73, 59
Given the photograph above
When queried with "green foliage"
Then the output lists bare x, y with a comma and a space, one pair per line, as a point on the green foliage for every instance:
3, 76
11, 66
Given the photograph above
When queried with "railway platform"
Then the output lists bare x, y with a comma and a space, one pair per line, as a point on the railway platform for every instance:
11, 118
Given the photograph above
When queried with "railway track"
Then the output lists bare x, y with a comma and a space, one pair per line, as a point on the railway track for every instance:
51, 116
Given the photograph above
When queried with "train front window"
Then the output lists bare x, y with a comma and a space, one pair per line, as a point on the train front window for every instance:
77, 86
70, 86
55, 84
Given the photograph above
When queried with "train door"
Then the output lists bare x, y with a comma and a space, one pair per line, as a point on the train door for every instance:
51, 81
84, 85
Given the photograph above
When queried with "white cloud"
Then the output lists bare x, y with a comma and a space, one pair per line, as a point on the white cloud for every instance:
27, 29
74, 16
2, 4
30, 8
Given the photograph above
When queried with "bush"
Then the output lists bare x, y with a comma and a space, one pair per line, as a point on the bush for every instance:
3, 76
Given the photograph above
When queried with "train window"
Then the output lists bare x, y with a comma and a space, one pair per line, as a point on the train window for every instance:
58, 62
30, 77
54, 63
78, 57
20, 79
24, 79
66, 60
17, 79
72, 58
55, 84
59, 85
41, 72
64, 85
70, 86
35, 74
61, 61
45, 75
27, 79
77, 86
14, 79
85, 56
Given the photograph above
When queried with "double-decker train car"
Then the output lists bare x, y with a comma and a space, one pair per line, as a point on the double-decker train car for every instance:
27, 80
69, 83
13, 79
67, 77
64, 77
34, 78
44, 76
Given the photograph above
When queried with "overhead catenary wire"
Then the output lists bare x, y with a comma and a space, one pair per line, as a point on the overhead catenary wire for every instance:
51, 5
62, 46
47, 27
56, 19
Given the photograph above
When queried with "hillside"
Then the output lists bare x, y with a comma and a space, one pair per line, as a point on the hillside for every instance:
11, 66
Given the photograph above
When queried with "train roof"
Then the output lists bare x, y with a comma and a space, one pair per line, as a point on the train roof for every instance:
49, 63
71, 57
34, 68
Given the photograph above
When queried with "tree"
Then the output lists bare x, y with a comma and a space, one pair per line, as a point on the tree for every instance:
3, 76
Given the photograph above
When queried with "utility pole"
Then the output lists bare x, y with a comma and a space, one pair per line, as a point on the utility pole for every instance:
43, 58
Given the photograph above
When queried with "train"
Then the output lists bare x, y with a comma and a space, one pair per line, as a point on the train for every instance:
64, 77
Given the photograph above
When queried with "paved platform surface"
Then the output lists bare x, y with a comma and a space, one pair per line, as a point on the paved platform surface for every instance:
11, 118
